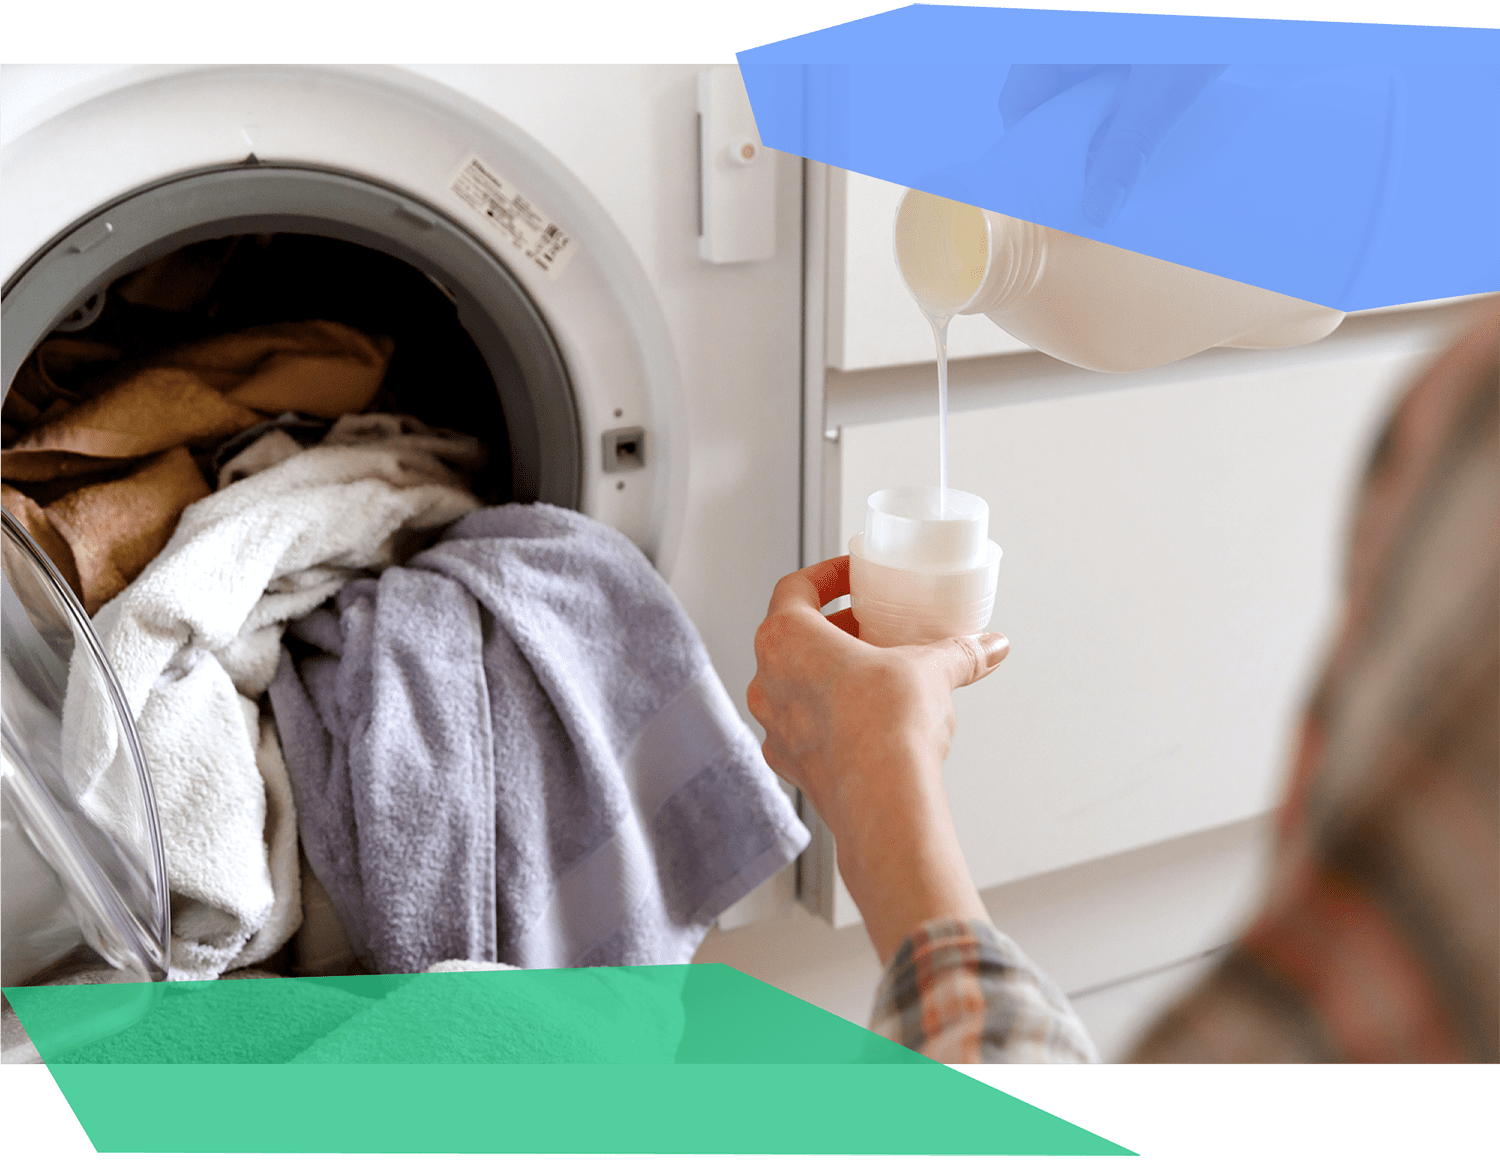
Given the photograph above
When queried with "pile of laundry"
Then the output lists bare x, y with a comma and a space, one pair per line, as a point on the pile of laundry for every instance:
471, 733
459, 1012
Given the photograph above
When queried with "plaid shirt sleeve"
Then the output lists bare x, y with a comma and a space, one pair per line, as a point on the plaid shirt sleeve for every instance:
1380, 938
959, 992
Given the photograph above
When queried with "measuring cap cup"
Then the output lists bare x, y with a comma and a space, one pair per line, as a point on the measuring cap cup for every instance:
919, 573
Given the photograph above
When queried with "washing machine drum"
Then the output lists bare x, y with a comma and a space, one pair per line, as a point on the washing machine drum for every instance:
85, 869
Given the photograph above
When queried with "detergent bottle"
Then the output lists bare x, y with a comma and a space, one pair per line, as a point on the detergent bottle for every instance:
1085, 302
1274, 173
924, 567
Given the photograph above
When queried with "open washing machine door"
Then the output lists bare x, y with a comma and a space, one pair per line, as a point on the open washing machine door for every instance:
107, 172
79, 868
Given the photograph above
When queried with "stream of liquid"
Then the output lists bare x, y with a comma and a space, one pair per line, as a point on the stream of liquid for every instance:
940, 336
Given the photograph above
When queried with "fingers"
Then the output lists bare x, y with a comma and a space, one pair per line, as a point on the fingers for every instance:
966, 659
1151, 102
795, 637
1028, 86
816, 585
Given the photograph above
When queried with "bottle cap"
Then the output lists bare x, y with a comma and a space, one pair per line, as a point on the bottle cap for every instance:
955, 258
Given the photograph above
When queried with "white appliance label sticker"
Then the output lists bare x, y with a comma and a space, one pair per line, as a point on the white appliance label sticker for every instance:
514, 217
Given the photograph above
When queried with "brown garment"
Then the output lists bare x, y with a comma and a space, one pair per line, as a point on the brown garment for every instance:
51, 381
109, 531
180, 281
34, 520
123, 430
199, 394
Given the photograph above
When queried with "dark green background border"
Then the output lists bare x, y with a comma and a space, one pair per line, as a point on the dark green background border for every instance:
536, 30
1176, 1117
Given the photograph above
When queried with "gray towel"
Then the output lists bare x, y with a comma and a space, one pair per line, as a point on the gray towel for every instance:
515, 748
633, 1016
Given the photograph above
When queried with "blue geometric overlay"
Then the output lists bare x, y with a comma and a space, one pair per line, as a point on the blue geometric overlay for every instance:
1351, 165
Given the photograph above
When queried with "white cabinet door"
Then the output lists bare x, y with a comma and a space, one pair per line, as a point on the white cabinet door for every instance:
1172, 561
872, 319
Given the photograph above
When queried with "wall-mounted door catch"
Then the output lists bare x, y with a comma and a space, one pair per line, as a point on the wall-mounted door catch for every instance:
736, 174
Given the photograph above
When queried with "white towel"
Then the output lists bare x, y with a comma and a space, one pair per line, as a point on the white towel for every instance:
195, 641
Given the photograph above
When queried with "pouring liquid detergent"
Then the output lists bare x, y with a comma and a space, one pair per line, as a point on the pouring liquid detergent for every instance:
1090, 304
924, 568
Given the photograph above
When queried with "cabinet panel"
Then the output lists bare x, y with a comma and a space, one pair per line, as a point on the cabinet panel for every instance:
872, 319
1088, 927
1170, 575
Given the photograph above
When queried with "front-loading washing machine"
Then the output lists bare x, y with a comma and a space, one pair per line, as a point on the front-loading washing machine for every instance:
576, 330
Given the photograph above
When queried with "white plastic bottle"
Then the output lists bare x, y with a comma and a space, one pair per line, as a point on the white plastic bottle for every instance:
1090, 304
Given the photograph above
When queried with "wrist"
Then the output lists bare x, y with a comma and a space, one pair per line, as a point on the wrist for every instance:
899, 856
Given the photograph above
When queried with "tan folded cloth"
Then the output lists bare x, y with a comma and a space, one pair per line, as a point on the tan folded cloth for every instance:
34, 520
204, 392
82, 412
102, 535
180, 280
52, 380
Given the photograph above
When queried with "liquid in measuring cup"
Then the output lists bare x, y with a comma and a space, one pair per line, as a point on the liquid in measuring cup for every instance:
924, 567
965, 246
940, 336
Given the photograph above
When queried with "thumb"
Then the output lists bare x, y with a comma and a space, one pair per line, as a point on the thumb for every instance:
967, 658
1152, 99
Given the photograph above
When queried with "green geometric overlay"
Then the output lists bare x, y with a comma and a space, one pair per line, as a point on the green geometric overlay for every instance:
693, 1058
